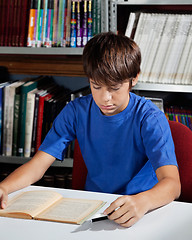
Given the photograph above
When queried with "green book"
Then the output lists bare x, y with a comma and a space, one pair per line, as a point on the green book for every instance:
25, 88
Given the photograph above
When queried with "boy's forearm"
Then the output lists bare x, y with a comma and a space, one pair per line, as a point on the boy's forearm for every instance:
164, 192
28, 173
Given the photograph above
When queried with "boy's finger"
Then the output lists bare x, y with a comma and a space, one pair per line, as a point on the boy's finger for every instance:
3, 201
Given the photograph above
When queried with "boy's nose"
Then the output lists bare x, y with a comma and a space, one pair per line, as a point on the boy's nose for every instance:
107, 96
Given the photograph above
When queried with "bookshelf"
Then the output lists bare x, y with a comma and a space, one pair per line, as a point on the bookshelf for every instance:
67, 61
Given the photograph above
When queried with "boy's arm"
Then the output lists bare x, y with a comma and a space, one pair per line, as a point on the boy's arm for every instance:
25, 175
130, 208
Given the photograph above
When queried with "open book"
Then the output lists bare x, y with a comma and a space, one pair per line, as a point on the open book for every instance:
50, 206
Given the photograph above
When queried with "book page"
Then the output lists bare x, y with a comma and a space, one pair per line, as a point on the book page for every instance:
30, 203
71, 210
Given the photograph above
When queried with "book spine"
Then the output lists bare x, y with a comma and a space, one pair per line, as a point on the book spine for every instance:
73, 38
3, 21
78, 26
98, 16
84, 23
94, 12
24, 19
61, 16
5, 118
7, 23
90, 21
29, 123
44, 23
55, 23
16, 124
19, 19
39, 23
10, 24
40, 119
68, 23
34, 129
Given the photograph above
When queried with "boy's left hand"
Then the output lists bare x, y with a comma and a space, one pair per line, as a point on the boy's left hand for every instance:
127, 210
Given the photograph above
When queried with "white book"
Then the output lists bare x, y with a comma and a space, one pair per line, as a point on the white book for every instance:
140, 27
133, 19
29, 121
175, 49
162, 49
9, 96
146, 38
179, 78
159, 23
187, 75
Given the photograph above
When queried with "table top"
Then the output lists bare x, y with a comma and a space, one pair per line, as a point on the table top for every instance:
173, 221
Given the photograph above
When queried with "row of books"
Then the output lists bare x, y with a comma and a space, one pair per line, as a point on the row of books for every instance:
49, 23
28, 109
165, 41
179, 114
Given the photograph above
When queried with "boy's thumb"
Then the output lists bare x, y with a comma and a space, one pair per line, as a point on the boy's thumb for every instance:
3, 201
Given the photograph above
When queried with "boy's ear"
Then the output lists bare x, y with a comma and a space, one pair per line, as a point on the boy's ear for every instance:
135, 80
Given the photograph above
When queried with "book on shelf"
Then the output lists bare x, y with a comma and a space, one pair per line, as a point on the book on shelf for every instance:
30, 105
73, 37
179, 75
51, 206
8, 120
18, 23
49, 25
61, 23
68, 23
160, 20
89, 20
25, 88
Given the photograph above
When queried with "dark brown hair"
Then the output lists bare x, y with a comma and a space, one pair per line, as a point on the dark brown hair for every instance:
111, 59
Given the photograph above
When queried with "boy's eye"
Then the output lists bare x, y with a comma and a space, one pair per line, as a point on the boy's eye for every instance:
96, 87
115, 89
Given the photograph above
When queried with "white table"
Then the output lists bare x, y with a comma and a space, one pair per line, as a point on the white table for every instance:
171, 222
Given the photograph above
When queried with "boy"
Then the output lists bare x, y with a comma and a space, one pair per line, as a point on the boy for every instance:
125, 140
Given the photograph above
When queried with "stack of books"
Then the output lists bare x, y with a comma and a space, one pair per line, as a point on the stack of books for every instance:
49, 23
28, 108
165, 41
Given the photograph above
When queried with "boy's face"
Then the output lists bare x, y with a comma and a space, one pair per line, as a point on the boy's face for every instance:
111, 100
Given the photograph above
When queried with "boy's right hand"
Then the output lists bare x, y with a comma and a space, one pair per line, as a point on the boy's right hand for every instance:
3, 198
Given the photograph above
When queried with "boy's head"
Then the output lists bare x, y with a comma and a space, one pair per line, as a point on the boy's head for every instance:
111, 59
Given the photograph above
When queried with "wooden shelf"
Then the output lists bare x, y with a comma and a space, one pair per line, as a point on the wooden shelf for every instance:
57, 65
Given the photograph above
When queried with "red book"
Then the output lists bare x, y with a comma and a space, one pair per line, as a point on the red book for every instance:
14, 25
24, 23
7, 9
11, 23
42, 98
18, 22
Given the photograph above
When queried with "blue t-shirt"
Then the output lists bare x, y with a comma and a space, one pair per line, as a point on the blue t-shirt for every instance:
121, 152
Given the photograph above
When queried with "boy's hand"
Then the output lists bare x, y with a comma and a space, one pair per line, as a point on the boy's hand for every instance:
127, 210
3, 198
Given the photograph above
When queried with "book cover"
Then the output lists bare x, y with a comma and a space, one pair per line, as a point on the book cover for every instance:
34, 127
68, 23
78, 24
31, 23
89, 21
61, 17
18, 23
55, 22
49, 31
51, 206
29, 121
39, 23
44, 23
42, 98
73, 38
84, 24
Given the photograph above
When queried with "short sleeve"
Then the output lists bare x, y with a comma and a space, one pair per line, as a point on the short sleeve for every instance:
158, 140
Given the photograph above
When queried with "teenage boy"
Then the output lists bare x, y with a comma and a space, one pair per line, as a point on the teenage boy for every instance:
125, 139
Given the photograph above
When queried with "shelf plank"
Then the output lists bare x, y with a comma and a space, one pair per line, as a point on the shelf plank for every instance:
41, 51
68, 162
163, 87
